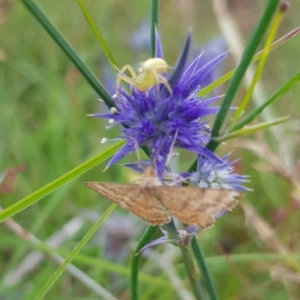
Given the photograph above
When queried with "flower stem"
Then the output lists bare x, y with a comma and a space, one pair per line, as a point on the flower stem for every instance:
135, 261
191, 272
187, 261
204, 269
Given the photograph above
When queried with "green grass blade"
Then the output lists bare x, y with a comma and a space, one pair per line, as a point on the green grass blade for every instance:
73, 254
253, 114
224, 78
199, 256
188, 261
136, 258
69, 51
251, 129
252, 257
154, 24
259, 70
105, 47
237, 78
58, 182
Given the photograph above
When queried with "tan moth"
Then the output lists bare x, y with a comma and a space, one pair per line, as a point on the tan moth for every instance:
157, 203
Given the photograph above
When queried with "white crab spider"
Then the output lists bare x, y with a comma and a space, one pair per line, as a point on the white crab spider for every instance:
150, 74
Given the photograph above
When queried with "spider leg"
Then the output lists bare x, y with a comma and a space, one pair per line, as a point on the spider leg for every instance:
121, 76
125, 79
161, 79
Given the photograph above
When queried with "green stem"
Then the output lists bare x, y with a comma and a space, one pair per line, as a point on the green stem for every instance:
262, 62
136, 258
236, 80
69, 51
154, 24
253, 114
191, 272
204, 269
171, 229
187, 261
151, 229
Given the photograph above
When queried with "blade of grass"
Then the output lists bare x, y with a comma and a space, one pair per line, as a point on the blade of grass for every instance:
188, 262
52, 280
58, 182
199, 256
104, 45
224, 78
136, 258
69, 51
154, 25
253, 114
271, 35
236, 80
251, 129
195, 283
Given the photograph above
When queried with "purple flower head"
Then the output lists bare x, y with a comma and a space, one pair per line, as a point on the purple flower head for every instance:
160, 119
217, 175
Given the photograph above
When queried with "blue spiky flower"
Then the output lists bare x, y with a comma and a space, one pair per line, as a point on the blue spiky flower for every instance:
217, 175
159, 119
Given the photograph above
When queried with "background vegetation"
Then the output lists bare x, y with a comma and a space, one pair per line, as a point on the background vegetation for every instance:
45, 130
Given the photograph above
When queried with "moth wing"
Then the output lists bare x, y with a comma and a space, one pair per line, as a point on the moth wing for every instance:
195, 206
135, 199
